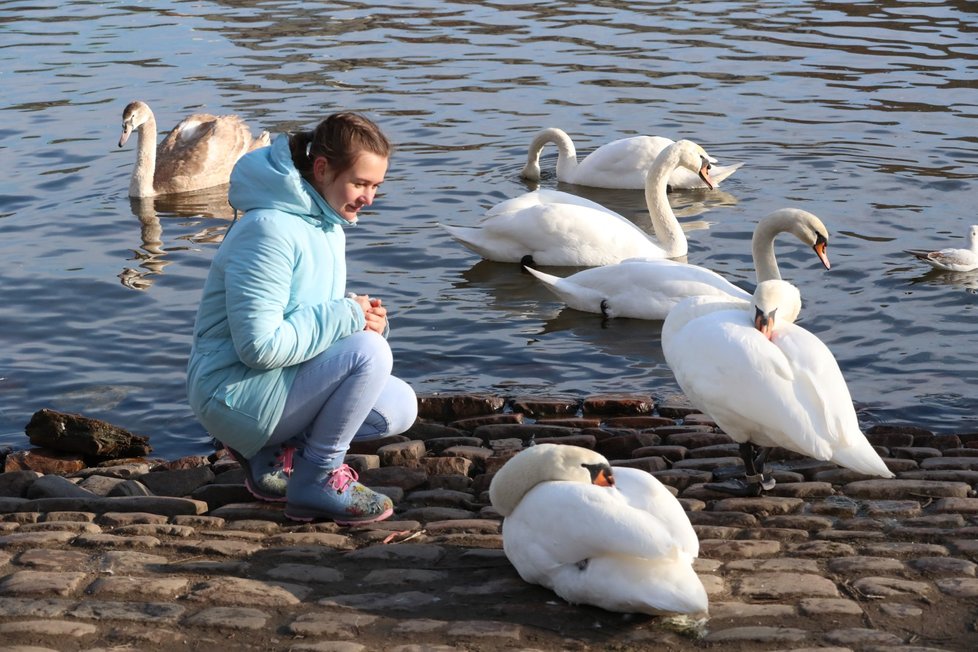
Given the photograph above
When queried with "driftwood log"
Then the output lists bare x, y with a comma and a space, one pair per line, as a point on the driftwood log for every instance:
74, 433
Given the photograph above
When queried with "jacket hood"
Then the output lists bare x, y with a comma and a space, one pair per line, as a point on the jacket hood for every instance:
266, 178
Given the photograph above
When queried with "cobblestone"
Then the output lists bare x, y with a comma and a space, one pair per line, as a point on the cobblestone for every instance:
828, 561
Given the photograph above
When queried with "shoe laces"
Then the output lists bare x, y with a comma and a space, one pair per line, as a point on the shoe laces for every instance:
283, 460
341, 478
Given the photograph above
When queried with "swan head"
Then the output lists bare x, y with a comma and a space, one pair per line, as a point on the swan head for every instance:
694, 158
775, 302
546, 463
135, 114
805, 226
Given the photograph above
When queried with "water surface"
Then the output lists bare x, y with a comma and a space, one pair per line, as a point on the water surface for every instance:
864, 113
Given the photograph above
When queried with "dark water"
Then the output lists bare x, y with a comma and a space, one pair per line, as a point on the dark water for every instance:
865, 113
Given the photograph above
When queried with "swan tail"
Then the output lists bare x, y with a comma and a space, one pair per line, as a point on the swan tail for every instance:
264, 140
862, 458
720, 172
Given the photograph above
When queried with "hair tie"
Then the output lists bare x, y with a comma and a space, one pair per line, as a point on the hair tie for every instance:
308, 148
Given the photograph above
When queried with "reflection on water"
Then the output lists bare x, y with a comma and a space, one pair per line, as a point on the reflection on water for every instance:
863, 113
151, 255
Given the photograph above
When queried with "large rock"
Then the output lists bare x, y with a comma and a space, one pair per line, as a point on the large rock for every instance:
73, 433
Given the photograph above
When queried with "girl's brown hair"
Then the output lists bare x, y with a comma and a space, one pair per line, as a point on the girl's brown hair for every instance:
340, 138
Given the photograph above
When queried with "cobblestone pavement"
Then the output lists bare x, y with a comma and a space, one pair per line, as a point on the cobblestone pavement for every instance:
181, 558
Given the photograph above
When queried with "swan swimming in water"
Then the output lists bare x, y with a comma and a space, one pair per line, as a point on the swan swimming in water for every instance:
648, 289
198, 153
765, 381
622, 163
952, 260
611, 537
558, 228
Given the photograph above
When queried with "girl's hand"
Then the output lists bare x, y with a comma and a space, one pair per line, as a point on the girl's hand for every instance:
374, 312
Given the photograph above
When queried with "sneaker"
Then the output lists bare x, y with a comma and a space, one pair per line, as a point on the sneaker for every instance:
315, 492
267, 473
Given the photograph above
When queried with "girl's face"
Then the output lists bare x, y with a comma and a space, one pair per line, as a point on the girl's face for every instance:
351, 190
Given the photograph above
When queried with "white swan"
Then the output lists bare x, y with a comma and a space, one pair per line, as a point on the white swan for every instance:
558, 228
952, 260
620, 164
648, 289
611, 538
765, 381
198, 153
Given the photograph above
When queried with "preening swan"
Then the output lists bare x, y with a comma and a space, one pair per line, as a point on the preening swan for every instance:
198, 153
648, 289
765, 381
952, 260
613, 538
558, 228
622, 163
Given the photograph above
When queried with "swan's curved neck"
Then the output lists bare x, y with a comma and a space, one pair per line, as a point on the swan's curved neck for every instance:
786, 220
141, 182
668, 232
566, 152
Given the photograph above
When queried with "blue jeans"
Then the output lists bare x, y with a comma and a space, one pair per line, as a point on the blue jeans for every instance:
347, 392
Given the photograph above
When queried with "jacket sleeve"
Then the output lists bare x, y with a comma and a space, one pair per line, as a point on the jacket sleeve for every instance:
266, 331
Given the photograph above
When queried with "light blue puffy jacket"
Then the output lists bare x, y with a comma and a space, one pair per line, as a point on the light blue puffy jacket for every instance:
274, 297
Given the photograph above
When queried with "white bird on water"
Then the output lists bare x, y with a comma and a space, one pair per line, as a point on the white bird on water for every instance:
952, 260
766, 382
622, 163
648, 289
558, 228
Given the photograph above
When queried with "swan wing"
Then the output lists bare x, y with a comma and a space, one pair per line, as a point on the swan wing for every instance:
821, 390
741, 379
562, 522
544, 196
200, 152
952, 260
622, 163
557, 234
644, 492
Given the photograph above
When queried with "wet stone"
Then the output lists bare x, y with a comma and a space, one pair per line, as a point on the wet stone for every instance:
139, 588
305, 573
243, 591
835, 506
734, 610
892, 508
762, 506
31, 582
406, 601
885, 587
900, 610
798, 521
774, 564
958, 587
46, 559
897, 549
129, 562
780, 586
723, 549
337, 624
815, 607
681, 479
115, 541
230, 618
858, 636
859, 565
48, 628
896, 489
802, 489
821, 549
955, 505
483, 629
759, 634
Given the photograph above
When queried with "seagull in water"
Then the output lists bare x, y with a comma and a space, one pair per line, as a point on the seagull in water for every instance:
952, 260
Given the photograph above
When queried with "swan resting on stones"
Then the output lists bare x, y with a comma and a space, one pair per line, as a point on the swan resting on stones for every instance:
610, 537
622, 163
648, 289
766, 382
198, 153
550, 227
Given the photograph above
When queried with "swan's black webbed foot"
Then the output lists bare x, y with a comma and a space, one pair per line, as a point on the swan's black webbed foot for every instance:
604, 308
527, 261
